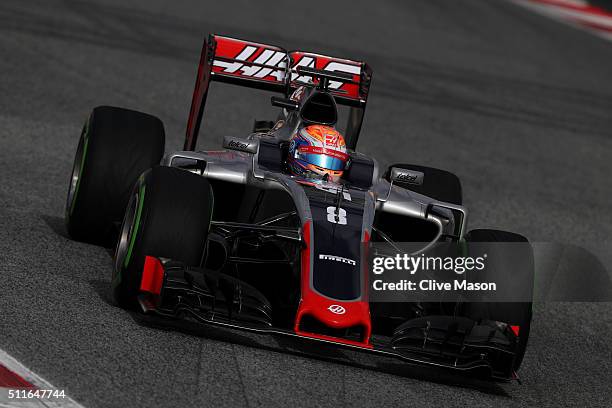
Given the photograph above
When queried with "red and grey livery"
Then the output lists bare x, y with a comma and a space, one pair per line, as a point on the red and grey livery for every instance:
231, 238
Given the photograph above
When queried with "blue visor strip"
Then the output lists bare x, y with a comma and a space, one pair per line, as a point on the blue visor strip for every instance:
322, 160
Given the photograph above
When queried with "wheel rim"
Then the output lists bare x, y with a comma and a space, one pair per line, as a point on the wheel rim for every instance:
77, 168
128, 227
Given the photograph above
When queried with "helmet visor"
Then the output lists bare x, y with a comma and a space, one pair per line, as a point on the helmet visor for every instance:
322, 160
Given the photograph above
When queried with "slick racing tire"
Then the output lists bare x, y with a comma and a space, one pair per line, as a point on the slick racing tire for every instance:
515, 267
115, 147
439, 184
168, 216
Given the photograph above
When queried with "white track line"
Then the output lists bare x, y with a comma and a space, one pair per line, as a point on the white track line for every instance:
38, 382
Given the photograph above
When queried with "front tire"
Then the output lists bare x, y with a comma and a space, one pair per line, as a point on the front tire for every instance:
516, 270
168, 216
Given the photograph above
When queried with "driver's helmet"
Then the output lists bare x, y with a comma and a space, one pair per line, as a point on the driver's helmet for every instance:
317, 152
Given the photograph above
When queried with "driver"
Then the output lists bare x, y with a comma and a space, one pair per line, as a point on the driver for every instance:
317, 152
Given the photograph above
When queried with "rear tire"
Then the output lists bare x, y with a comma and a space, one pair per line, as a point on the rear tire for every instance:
439, 184
115, 147
168, 216
520, 274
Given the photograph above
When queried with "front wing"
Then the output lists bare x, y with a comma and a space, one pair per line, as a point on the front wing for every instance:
173, 292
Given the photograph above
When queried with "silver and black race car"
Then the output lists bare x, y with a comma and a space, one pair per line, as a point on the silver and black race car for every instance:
230, 238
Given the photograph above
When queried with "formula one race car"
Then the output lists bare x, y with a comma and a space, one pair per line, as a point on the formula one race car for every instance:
268, 235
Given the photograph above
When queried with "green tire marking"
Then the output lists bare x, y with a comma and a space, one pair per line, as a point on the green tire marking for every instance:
76, 189
141, 195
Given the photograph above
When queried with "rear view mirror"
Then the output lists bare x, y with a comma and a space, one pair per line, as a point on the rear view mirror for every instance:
406, 176
240, 144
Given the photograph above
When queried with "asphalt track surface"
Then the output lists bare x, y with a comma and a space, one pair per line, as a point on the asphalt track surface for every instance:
519, 106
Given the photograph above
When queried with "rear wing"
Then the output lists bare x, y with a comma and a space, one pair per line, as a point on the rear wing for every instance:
274, 69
